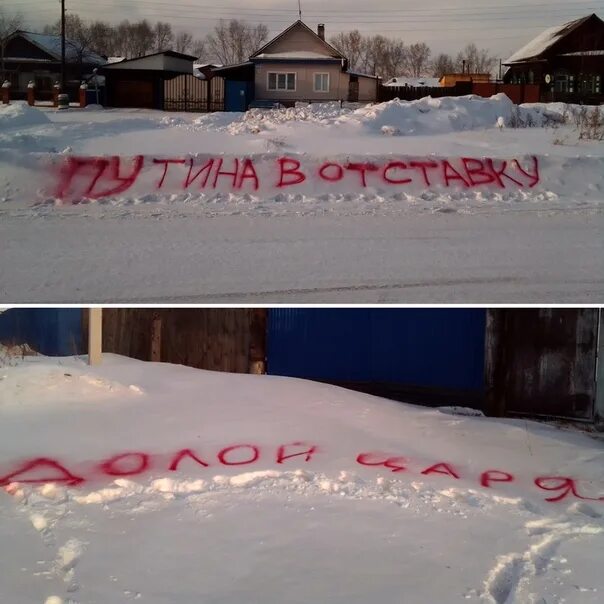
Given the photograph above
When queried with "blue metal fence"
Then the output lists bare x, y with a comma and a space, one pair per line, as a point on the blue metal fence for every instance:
435, 348
50, 331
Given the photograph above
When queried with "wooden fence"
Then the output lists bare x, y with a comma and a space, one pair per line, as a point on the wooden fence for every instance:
411, 93
188, 93
231, 339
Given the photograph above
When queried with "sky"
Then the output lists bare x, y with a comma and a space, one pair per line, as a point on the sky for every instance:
445, 25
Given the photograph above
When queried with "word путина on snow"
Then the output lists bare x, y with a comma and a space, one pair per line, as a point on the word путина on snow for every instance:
42, 470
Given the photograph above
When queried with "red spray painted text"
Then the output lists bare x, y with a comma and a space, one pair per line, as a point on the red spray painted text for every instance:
42, 470
96, 177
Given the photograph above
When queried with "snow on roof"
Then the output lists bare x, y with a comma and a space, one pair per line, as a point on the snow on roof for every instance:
296, 54
115, 59
51, 44
413, 82
544, 41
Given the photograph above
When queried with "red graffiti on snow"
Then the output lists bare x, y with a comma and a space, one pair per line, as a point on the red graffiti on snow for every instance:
42, 470
96, 177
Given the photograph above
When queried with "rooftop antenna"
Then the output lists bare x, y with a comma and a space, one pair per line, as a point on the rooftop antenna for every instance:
300, 10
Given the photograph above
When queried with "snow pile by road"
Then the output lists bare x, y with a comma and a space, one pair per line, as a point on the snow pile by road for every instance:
21, 115
227, 488
424, 116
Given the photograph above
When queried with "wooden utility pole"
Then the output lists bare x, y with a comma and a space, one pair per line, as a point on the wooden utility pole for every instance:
257, 351
95, 336
156, 338
62, 45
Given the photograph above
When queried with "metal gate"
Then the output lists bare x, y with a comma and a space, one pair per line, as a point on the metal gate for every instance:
548, 362
438, 349
188, 93
238, 95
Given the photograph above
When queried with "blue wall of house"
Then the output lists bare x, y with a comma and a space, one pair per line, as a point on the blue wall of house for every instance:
50, 331
434, 348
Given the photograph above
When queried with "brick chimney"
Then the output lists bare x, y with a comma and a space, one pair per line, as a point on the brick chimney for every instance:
321, 31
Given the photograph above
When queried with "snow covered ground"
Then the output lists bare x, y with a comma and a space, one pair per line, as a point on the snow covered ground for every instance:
164, 484
325, 204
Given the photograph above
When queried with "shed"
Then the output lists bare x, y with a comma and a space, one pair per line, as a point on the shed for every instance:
139, 82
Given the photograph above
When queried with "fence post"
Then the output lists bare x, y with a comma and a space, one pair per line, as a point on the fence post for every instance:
95, 336
56, 90
5, 92
257, 352
83, 88
156, 338
31, 93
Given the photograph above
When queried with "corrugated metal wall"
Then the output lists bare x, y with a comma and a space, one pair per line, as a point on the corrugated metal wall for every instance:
436, 348
50, 331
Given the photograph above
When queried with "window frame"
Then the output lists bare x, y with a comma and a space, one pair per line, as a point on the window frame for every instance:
277, 73
314, 81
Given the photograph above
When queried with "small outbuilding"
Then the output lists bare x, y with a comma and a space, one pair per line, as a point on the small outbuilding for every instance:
140, 82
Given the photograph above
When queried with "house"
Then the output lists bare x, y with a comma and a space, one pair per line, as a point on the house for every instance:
36, 57
450, 79
297, 65
566, 61
140, 82
413, 82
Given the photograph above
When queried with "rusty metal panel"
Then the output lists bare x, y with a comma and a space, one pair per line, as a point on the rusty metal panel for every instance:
550, 361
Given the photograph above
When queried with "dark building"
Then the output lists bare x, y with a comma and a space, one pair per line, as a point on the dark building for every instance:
31, 57
566, 61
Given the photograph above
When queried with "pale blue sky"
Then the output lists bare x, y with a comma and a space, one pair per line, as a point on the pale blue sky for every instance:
445, 25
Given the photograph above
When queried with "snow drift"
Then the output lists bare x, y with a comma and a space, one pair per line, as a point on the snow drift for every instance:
235, 488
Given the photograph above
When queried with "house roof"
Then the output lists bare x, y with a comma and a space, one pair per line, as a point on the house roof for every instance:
296, 54
51, 45
299, 24
544, 41
168, 53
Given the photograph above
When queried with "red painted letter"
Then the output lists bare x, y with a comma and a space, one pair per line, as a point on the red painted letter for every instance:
441, 468
534, 176
395, 165
138, 464
486, 478
248, 172
222, 455
476, 172
166, 163
186, 453
339, 173
42, 462
393, 463
282, 456
220, 172
289, 167
566, 486
500, 174
207, 168
362, 169
450, 173
424, 166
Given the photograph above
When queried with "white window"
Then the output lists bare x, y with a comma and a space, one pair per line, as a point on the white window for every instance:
321, 83
281, 81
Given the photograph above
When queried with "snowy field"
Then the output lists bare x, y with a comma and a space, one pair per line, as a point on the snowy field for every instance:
427, 201
164, 484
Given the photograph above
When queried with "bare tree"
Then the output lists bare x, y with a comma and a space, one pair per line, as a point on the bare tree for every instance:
198, 48
234, 41
418, 58
184, 41
142, 38
442, 64
78, 35
352, 45
9, 23
163, 36
476, 60
383, 56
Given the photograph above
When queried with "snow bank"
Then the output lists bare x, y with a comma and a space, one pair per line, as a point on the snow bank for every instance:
424, 116
21, 115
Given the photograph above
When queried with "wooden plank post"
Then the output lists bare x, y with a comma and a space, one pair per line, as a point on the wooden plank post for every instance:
156, 338
95, 336
257, 354
495, 364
